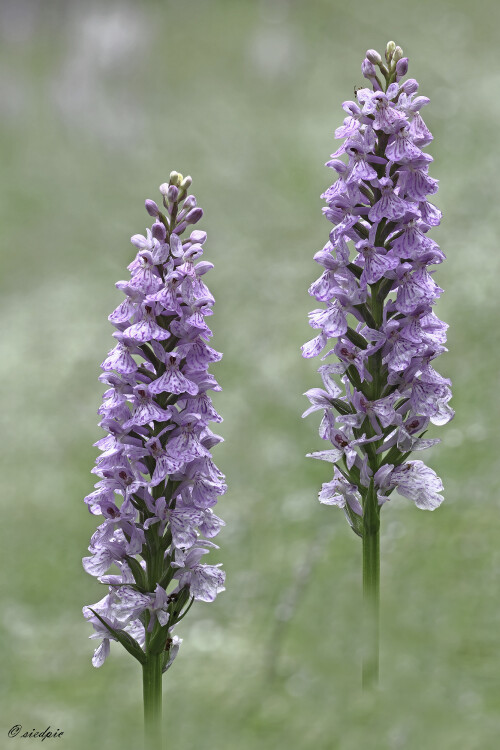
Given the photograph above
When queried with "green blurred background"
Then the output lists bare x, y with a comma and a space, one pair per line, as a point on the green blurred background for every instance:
98, 103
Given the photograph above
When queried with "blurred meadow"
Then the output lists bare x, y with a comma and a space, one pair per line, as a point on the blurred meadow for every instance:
98, 103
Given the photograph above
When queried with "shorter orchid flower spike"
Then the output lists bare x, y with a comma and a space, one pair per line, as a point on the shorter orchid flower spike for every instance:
157, 483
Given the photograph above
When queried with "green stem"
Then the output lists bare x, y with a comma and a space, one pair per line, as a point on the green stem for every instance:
152, 684
371, 589
152, 669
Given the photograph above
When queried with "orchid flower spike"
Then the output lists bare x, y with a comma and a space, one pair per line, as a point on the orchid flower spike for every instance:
157, 483
377, 294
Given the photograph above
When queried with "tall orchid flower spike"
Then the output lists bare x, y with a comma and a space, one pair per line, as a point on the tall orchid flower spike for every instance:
378, 296
157, 482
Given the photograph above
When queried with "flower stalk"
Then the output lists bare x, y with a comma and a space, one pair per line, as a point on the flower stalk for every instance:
381, 392
371, 588
152, 696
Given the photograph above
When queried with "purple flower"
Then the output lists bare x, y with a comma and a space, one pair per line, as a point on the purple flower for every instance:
204, 581
157, 481
340, 492
377, 292
416, 481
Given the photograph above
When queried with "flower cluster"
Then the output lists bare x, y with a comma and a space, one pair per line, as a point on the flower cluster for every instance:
379, 302
157, 481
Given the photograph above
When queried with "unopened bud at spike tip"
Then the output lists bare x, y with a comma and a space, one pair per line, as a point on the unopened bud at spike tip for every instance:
175, 178
172, 193
397, 54
158, 231
373, 56
151, 207
401, 67
389, 51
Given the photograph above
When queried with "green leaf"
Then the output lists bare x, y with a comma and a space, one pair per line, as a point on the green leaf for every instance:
353, 376
166, 656
356, 338
366, 315
178, 603
129, 643
182, 616
356, 270
167, 577
158, 641
341, 406
355, 520
137, 571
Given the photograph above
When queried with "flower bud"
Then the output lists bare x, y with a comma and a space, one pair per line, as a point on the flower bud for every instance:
151, 207
397, 54
179, 228
410, 86
194, 215
368, 69
164, 188
190, 202
158, 231
389, 51
401, 67
172, 193
186, 182
373, 56
175, 178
